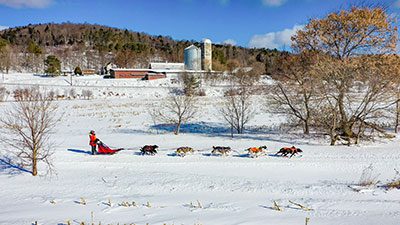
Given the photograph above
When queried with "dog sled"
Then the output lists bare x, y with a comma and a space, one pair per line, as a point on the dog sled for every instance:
103, 149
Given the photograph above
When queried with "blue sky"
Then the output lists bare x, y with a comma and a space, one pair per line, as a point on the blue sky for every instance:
249, 23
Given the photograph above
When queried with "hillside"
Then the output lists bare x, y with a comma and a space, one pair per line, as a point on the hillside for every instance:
92, 46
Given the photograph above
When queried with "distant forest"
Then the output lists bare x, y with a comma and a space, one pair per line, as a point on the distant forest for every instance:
93, 46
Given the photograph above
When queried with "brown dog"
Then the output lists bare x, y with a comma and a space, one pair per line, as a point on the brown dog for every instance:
285, 151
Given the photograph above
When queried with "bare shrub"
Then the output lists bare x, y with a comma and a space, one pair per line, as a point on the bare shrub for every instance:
3, 94
72, 93
19, 92
53, 94
395, 182
87, 94
27, 128
368, 177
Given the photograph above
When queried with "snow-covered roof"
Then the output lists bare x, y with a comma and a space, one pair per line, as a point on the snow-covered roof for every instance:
127, 69
166, 63
206, 40
167, 66
191, 46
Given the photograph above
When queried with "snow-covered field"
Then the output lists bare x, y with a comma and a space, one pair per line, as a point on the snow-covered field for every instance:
199, 188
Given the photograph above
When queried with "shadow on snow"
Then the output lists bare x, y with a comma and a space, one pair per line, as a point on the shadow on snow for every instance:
194, 128
221, 130
7, 166
80, 151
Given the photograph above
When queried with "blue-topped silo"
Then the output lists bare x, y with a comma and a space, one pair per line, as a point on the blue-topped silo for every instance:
192, 58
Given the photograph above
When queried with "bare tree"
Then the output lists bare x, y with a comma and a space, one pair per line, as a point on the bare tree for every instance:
348, 33
397, 112
361, 101
395, 92
355, 44
27, 128
326, 118
294, 93
237, 108
125, 58
177, 109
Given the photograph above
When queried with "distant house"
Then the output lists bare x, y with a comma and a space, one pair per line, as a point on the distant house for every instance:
167, 66
88, 71
145, 74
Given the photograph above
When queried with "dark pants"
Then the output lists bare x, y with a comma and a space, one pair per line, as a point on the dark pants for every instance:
93, 150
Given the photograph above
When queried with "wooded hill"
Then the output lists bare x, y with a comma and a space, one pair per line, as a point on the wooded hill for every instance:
92, 46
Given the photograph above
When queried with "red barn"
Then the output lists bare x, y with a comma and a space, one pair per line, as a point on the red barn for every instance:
145, 74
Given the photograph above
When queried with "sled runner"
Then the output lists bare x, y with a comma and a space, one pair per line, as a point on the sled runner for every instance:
103, 149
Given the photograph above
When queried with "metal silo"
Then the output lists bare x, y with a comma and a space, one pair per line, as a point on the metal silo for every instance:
206, 55
192, 58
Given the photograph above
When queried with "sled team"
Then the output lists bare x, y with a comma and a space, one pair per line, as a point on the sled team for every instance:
183, 151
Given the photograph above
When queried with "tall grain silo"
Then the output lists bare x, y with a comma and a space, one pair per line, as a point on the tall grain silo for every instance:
192, 57
206, 55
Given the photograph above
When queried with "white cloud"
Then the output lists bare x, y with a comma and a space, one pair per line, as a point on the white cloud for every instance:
274, 39
229, 42
3, 27
273, 2
26, 3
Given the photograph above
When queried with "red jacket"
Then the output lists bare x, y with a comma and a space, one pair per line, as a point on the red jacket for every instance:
93, 139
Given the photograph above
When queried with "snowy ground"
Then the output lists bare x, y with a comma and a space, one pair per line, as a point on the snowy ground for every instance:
169, 189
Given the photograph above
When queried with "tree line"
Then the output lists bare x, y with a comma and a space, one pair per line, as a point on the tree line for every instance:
93, 46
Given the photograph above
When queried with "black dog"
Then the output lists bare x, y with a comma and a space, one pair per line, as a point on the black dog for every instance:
149, 150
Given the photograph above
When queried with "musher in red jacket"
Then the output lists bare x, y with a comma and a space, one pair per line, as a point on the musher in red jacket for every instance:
93, 141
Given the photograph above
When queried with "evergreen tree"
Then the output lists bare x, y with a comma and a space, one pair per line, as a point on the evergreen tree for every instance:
53, 65
77, 71
190, 84
5, 60
34, 48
